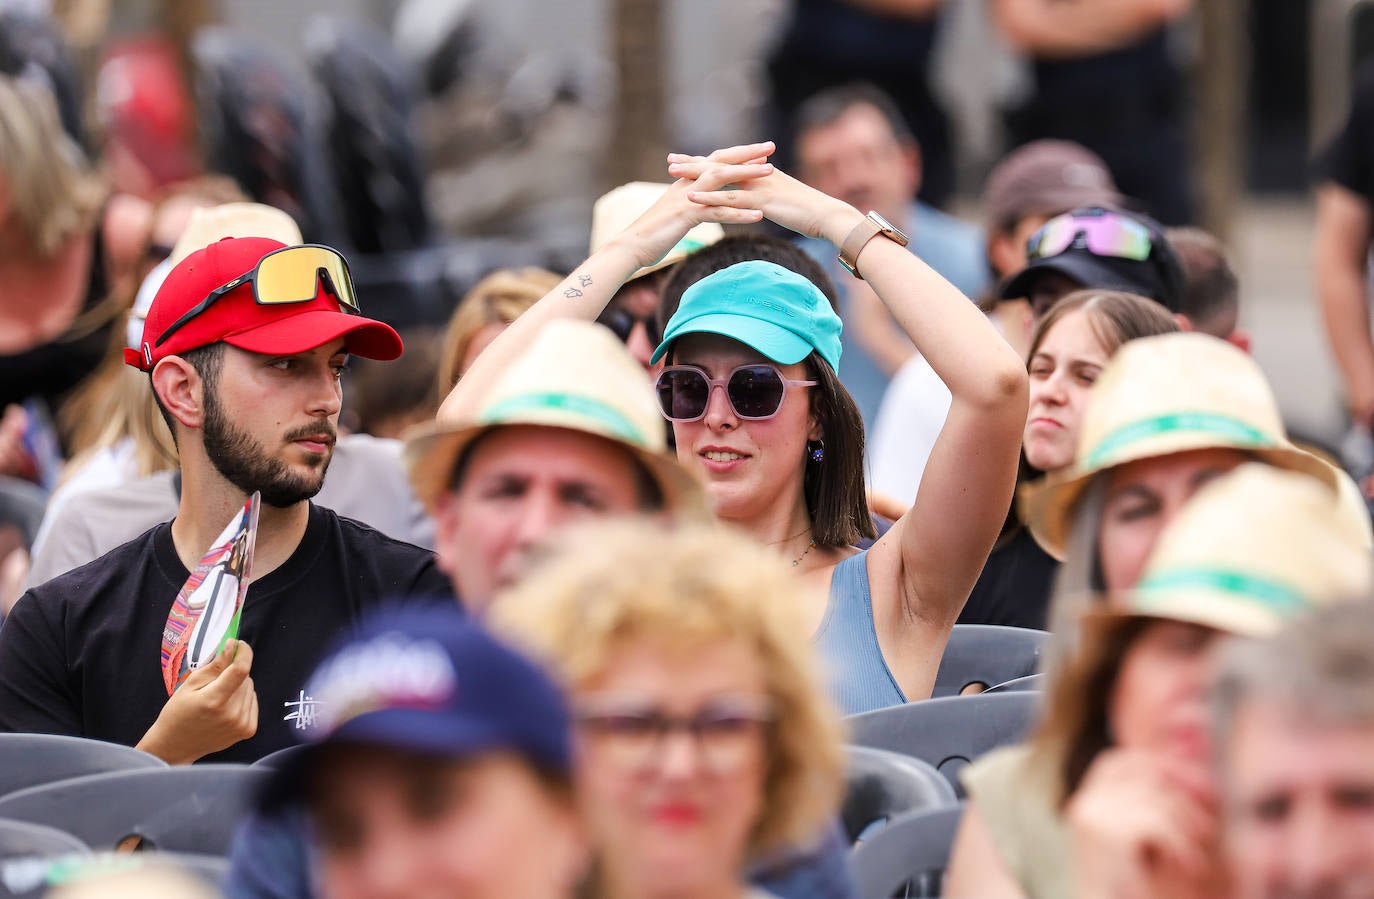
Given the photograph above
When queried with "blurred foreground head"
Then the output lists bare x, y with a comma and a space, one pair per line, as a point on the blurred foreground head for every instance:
703, 738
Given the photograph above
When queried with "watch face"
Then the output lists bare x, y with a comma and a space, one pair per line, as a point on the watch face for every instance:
888, 228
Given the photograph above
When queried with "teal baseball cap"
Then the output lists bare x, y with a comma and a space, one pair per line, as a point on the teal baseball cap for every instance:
762, 305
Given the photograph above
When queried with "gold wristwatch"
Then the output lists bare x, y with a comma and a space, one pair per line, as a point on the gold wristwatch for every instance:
872, 225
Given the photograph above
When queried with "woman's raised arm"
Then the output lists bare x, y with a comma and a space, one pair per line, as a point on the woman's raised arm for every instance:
585, 293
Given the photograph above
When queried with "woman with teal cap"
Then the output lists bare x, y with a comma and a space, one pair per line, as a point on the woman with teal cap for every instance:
780, 444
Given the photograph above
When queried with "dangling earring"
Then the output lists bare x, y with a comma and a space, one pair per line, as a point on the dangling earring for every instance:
817, 449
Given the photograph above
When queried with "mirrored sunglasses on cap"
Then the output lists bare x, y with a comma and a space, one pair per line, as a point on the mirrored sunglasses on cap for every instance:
1103, 234
285, 276
754, 391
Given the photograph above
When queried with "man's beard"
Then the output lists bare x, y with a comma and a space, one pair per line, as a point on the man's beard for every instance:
246, 464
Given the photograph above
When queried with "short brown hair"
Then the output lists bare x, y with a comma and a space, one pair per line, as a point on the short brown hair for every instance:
1211, 291
1115, 316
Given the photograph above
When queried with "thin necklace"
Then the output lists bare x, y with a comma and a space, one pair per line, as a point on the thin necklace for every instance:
810, 546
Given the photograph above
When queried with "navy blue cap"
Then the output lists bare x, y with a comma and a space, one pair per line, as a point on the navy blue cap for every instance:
432, 681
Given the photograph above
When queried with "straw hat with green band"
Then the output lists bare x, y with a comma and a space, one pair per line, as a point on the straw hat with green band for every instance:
1249, 551
1164, 395
575, 375
617, 209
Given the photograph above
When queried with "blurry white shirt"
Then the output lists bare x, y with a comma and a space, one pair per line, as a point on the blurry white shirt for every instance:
909, 420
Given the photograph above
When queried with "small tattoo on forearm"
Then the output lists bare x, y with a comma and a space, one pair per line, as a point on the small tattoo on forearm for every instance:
585, 280
572, 293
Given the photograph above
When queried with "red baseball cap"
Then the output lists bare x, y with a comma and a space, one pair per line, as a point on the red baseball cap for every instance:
238, 320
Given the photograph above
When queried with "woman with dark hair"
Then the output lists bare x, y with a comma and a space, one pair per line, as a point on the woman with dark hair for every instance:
1069, 349
780, 445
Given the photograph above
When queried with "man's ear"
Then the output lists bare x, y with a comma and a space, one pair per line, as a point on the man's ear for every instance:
1184, 323
180, 388
445, 516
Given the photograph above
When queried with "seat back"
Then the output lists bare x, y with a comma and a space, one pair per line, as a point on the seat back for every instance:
275, 760
911, 851
190, 808
21, 839
30, 760
947, 733
881, 785
987, 654
1031, 683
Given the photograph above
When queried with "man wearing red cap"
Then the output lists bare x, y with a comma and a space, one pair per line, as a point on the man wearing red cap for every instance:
245, 344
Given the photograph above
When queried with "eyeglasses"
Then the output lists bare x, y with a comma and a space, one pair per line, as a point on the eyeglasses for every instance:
1102, 234
725, 732
622, 324
755, 391
288, 275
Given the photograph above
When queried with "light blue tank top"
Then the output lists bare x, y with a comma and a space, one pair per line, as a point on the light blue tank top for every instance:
859, 678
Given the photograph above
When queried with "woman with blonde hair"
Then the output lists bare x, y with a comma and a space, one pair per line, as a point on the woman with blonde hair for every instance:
484, 312
1113, 795
704, 741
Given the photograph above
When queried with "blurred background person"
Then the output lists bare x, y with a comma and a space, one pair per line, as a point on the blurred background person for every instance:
56, 266
1293, 721
830, 43
852, 143
704, 740
1105, 75
1114, 795
1211, 291
486, 310
1341, 246
447, 773
1025, 189
633, 313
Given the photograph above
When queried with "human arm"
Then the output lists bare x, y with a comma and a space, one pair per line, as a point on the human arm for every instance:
213, 709
976, 870
585, 293
925, 566
904, 9
1068, 28
1341, 253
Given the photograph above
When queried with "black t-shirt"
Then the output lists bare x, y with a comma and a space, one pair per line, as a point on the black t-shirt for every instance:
1014, 588
1349, 159
80, 654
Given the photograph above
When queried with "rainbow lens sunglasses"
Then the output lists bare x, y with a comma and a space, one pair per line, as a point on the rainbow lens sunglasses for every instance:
1101, 232
288, 275
755, 391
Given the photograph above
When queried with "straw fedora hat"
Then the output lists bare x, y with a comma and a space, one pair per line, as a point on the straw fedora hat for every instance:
1163, 395
1249, 551
618, 208
574, 375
